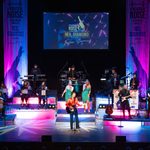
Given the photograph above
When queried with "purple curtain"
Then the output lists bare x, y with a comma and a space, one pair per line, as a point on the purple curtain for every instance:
15, 43
137, 37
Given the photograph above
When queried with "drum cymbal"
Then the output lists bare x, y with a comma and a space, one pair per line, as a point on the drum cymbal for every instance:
65, 71
63, 75
79, 71
62, 79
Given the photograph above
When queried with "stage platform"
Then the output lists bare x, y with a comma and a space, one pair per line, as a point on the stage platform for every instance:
34, 100
8, 119
30, 124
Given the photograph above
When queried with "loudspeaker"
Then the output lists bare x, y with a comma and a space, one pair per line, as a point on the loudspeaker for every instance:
121, 139
46, 138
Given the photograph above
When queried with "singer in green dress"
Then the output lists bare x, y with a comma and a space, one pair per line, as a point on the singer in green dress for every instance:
68, 91
86, 95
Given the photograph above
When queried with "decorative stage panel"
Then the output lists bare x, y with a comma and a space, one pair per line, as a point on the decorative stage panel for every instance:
34, 100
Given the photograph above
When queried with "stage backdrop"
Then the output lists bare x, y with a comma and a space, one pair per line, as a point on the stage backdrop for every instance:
15, 43
137, 37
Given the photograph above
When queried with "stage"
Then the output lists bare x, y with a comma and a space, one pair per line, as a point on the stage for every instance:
31, 124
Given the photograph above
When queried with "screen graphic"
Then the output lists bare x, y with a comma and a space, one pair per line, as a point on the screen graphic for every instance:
76, 30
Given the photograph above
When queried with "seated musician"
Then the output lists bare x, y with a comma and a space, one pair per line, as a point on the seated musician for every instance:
25, 92
42, 93
134, 82
124, 95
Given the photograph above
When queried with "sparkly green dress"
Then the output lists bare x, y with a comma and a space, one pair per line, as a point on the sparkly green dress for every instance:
68, 94
85, 94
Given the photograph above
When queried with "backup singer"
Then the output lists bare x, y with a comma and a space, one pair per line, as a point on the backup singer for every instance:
25, 92
124, 94
68, 91
86, 95
42, 93
72, 103
134, 82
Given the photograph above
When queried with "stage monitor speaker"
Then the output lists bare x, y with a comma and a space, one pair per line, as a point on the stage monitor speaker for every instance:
121, 139
46, 138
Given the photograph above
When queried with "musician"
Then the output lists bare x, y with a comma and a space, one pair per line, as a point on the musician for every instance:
35, 70
86, 95
4, 91
134, 82
42, 93
113, 71
2, 104
68, 91
4, 97
72, 103
124, 95
25, 92
115, 81
148, 104
71, 73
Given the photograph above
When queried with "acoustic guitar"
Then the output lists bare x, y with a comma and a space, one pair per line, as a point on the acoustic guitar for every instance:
109, 109
70, 110
125, 98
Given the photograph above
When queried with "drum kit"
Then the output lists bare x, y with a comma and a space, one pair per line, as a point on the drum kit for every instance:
77, 83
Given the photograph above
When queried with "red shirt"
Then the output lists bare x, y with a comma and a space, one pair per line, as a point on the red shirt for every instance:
72, 102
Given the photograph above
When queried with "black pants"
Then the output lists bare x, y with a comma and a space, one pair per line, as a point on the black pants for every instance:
24, 97
148, 109
125, 105
4, 108
75, 113
44, 98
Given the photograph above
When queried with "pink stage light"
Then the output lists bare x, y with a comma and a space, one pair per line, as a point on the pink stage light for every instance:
34, 100
129, 125
120, 113
35, 114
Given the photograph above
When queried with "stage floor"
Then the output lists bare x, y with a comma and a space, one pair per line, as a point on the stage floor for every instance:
32, 130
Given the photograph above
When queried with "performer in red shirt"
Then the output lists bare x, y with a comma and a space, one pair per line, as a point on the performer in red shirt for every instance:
71, 108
